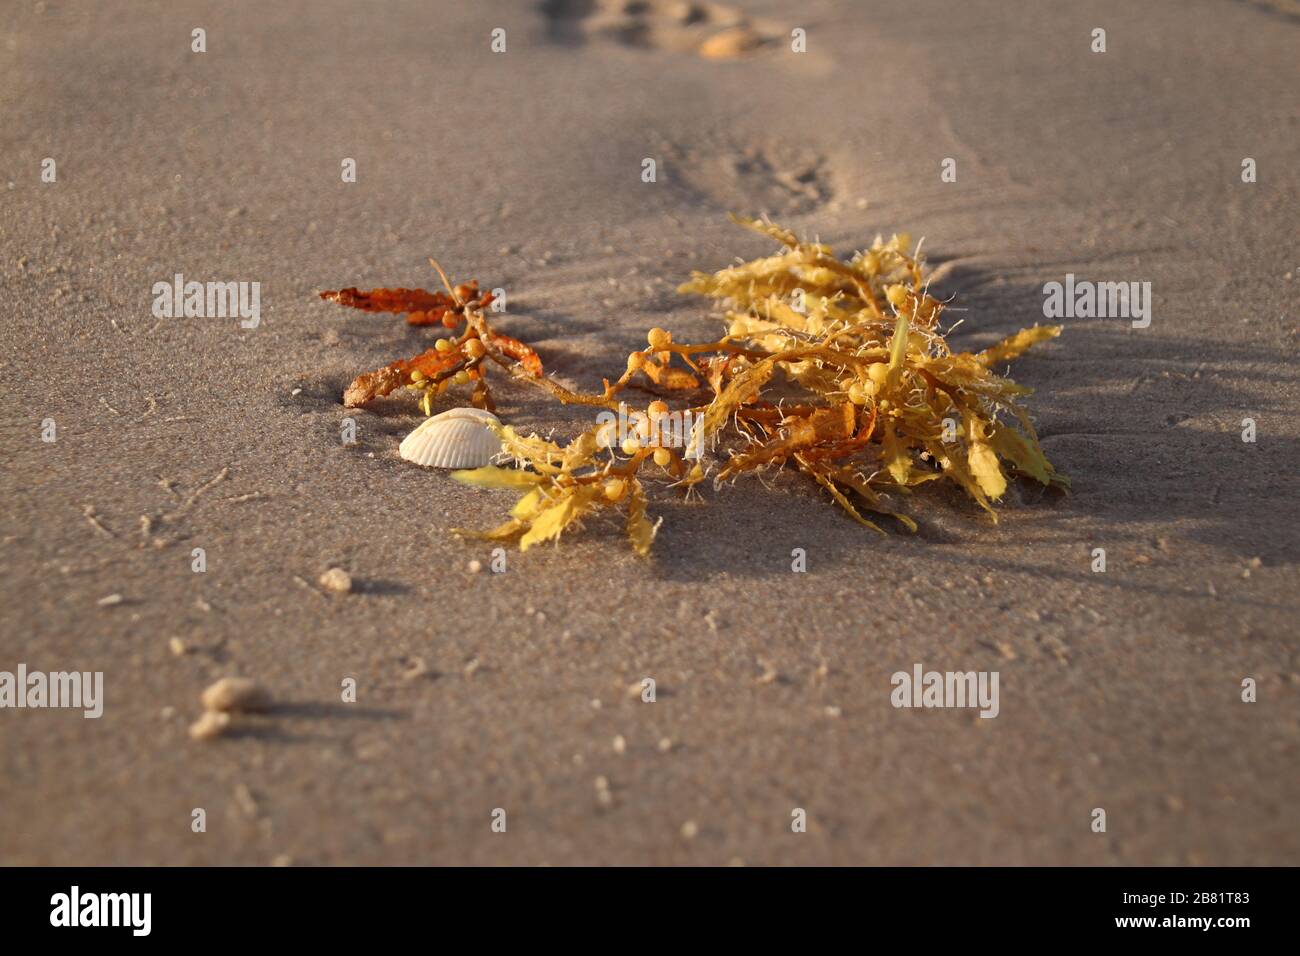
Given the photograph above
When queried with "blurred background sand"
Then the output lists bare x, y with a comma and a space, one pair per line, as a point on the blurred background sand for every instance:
1118, 690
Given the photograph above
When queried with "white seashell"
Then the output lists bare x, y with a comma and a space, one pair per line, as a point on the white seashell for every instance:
459, 438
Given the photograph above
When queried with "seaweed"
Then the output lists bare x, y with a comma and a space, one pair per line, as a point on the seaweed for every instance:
836, 368
454, 360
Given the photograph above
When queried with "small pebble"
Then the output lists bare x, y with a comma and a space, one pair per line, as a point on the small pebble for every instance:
110, 600
665, 745
336, 580
236, 694
210, 725
731, 43
177, 646
690, 830
475, 567
415, 668
244, 797
620, 745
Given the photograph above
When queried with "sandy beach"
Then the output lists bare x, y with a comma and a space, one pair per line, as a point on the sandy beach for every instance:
520, 691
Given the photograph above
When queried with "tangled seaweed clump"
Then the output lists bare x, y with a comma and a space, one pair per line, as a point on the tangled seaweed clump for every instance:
871, 401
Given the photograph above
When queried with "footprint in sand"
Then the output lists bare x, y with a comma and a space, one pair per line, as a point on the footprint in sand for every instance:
713, 31
776, 180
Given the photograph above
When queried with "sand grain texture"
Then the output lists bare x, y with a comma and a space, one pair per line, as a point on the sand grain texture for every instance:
480, 690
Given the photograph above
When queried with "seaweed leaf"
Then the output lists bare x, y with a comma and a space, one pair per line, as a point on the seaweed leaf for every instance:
983, 459
640, 532
490, 476
1013, 346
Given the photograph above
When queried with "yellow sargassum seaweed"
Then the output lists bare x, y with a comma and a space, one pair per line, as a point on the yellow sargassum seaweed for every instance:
870, 400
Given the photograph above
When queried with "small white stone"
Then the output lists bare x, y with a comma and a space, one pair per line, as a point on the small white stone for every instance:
336, 580
236, 693
211, 724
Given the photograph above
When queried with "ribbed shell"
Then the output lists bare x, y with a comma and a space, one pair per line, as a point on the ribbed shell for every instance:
458, 438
